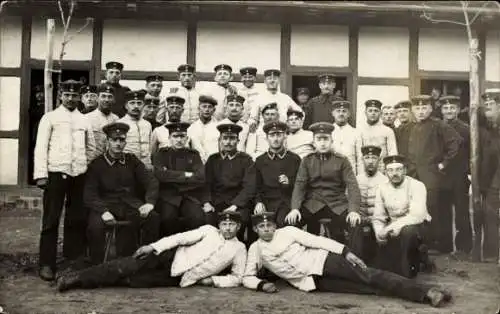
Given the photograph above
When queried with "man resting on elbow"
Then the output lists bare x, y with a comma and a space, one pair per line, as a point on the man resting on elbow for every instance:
311, 262
182, 259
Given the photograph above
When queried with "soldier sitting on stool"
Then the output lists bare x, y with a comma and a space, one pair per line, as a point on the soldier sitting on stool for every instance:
320, 187
182, 177
230, 180
399, 217
362, 239
112, 193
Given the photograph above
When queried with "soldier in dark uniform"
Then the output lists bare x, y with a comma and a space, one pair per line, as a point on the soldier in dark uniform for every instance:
149, 111
303, 96
457, 180
276, 171
320, 107
113, 75
432, 146
113, 192
402, 132
486, 219
230, 180
320, 187
182, 177
89, 98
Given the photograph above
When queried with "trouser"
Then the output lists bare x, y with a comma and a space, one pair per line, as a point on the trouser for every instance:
337, 227
460, 200
152, 271
174, 219
402, 254
60, 187
127, 236
363, 243
340, 276
281, 211
246, 224
486, 221
440, 209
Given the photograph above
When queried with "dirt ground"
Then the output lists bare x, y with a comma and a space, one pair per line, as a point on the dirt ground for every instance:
475, 286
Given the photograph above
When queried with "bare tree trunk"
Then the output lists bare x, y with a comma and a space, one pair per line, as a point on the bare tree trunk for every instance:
51, 28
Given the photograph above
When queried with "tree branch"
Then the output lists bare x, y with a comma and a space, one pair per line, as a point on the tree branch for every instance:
481, 10
429, 18
61, 10
87, 23
2, 5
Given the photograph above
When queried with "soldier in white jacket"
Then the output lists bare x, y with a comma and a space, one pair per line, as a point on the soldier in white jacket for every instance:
64, 147
310, 262
183, 259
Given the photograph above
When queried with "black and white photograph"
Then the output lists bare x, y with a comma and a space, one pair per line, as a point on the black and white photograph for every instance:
163, 156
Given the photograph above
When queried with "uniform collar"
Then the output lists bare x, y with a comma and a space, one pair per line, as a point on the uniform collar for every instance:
228, 155
111, 161
281, 154
324, 156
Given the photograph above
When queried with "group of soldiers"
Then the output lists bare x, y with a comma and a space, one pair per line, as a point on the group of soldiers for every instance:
207, 171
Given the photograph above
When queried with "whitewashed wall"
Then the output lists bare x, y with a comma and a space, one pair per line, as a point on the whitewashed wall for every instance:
10, 41
443, 50
237, 44
8, 161
387, 94
493, 56
319, 45
144, 45
80, 47
383, 52
10, 90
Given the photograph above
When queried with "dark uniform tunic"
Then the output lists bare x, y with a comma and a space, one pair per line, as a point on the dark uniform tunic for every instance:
230, 180
180, 196
432, 142
274, 195
120, 187
402, 133
320, 192
486, 216
118, 107
458, 183
319, 109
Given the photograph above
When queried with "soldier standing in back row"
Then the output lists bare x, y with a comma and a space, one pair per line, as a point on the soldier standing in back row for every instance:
376, 133
113, 76
432, 146
320, 107
64, 147
249, 90
402, 132
458, 183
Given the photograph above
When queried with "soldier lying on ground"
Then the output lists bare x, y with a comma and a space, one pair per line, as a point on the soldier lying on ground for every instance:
311, 263
183, 259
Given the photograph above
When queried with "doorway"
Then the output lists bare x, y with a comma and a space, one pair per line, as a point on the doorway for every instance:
311, 82
438, 88
37, 105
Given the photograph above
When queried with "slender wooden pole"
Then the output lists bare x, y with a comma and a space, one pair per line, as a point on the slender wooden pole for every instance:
48, 84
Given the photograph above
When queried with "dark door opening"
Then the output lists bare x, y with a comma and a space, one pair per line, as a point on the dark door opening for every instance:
311, 82
37, 106
439, 88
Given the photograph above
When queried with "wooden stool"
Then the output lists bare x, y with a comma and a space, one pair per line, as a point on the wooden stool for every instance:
110, 233
324, 223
